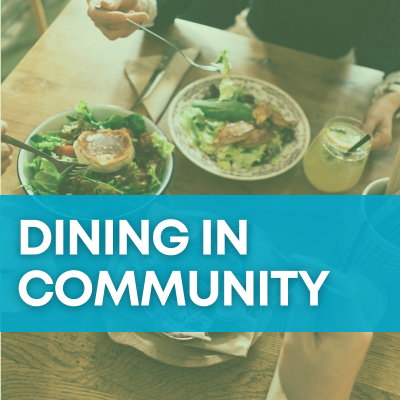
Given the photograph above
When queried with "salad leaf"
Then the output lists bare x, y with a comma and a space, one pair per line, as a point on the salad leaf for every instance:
114, 122
226, 88
105, 190
247, 158
155, 182
164, 147
46, 179
273, 150
82, 108
71, 132
227, 110
46, 143
33, 166
135, 122
201, 130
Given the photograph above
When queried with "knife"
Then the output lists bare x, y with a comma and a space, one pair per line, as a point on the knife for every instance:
156, 77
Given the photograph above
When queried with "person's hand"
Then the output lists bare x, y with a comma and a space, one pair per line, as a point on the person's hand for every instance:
379, 120
114, 24
6, 150
315, 366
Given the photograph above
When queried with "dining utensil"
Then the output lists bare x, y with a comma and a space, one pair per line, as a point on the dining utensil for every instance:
140, 69
65, 168
263, 91
209, 68
101, 113
394, 180
156, 77
174, 352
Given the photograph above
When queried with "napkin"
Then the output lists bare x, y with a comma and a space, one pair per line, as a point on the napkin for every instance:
140, 71
234, 343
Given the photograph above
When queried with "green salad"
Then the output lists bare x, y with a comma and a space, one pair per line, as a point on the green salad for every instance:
140, 176
234, 129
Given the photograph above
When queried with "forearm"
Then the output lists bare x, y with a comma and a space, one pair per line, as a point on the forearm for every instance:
275, 391
390, 84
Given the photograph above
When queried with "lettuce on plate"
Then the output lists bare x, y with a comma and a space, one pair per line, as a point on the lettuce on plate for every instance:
46, 177
164, 147
203, 130
226, 87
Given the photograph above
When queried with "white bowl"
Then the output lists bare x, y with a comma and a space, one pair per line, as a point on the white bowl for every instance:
263, 92
377, 187
100, 113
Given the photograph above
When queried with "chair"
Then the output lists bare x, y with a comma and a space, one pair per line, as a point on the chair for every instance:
38, 15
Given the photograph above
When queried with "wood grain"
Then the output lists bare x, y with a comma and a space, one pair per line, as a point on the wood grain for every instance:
73, 61
93, 363
39, 15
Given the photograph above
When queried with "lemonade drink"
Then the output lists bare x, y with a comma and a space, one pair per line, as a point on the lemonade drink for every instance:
328, 165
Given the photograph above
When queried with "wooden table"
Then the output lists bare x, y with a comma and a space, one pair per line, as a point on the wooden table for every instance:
73, 61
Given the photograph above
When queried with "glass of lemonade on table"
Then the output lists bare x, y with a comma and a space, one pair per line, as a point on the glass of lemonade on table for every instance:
328, 164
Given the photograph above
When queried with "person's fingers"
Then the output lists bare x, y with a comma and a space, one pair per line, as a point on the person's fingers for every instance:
380, 124
103, 17
135, 17
5, 163
382, 135
6, 150
111, 5
4, 127
138, 17
119, 26
117, 33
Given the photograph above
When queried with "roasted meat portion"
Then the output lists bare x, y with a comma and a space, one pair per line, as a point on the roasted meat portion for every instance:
262, 112
232, 133
257, 137
280, 121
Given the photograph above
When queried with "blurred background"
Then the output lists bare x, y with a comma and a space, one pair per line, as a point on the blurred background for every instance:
21, 25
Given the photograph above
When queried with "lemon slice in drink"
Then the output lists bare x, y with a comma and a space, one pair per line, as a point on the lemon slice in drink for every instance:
342, 139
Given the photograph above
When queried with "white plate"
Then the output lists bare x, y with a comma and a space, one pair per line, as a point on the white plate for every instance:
263, 92
100, 113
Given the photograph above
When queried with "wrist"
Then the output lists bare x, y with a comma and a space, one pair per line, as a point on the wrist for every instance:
393, 100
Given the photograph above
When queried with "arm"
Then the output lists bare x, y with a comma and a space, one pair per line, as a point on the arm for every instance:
317, 366
379, 119
379, 48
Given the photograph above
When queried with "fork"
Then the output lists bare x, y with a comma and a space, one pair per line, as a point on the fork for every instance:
209, 68
64, 168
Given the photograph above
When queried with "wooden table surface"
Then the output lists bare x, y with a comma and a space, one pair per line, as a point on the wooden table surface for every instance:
73, 61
